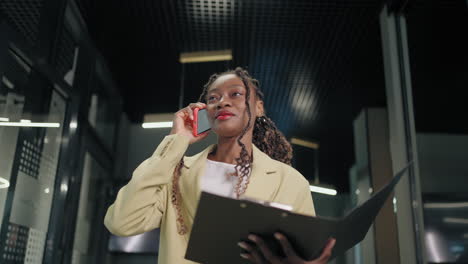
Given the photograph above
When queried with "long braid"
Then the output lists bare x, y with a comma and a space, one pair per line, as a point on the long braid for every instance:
271, 141
244, 161
176, 198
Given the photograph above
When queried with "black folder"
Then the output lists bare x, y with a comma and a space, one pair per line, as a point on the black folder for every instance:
221, 222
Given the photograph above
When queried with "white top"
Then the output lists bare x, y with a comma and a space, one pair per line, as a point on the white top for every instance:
219, 178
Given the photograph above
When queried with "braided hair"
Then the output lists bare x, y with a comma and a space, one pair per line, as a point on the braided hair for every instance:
266, 137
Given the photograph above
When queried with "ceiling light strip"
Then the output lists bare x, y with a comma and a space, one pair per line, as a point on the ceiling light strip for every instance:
446, 205
157, 124
455, 220
322, 190
28, 124
205, 56
304, 143
4, 183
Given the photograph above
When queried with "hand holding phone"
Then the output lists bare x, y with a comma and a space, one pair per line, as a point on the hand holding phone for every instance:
183, 122
200, 122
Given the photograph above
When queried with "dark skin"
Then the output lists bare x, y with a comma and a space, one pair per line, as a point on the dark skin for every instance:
228, 93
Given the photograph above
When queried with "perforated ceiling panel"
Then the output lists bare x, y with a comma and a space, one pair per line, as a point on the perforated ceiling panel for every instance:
24, 15
319, 62
439, 64
300, 50
206, 25
65, 52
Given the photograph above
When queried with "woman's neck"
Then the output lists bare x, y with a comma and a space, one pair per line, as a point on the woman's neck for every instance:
227, 149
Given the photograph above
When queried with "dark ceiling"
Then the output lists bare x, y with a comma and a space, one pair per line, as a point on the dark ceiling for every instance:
319, 62
438, 48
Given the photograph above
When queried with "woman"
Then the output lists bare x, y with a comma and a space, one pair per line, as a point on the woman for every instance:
251, 159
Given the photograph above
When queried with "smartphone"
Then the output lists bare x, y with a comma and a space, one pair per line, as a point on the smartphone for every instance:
200, 121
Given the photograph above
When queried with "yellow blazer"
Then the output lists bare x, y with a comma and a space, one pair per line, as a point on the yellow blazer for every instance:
145, 202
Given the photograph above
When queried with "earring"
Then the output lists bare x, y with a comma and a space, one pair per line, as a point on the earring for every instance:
261, 118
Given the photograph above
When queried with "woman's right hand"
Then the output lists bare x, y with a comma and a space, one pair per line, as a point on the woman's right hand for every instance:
183, 120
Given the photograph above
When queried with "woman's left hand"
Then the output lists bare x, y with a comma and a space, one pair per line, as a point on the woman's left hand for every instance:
261, 254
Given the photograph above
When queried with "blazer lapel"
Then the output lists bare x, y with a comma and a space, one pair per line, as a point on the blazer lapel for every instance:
189, 182
264, 177
263, 185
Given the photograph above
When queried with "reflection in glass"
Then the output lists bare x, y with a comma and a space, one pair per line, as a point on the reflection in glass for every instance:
446, 228
85, 230
11, 108
143, 243
102, 116
30, 152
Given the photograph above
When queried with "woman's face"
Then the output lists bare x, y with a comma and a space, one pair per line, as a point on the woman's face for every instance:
226, 106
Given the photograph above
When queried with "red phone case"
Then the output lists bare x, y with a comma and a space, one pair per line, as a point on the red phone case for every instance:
195, 122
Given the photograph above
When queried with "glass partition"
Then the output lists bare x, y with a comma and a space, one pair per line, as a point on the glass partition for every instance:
87, 225
439, 67
102, 114
32, 116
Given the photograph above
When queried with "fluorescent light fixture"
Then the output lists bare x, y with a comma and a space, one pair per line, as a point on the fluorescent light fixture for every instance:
160, 120
4, 119
63, 187
304, 143
156, 124
205, 56
4, 183
7, 82
322, 190
432, 242
73, 124
453, 220
24, 123
446, 205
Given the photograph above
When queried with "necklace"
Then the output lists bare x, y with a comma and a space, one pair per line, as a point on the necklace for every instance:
244, 172
176, 198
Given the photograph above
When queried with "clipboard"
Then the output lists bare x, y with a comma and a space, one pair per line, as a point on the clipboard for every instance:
221, 222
